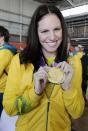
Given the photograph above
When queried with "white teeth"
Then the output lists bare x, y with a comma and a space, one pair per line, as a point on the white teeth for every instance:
52, 42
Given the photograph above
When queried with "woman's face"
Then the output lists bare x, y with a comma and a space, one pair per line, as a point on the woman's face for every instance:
50, 33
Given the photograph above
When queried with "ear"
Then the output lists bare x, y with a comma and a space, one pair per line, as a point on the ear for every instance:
2, 38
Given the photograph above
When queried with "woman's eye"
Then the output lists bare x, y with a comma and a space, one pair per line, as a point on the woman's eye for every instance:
44, 31
57, 29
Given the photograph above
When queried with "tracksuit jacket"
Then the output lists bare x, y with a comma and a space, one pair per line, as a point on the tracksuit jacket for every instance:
50, 111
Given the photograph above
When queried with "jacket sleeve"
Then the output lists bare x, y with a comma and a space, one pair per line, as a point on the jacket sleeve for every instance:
19, 96
73, 98
5, 59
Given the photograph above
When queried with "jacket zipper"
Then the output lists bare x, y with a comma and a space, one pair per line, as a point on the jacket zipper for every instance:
48, 105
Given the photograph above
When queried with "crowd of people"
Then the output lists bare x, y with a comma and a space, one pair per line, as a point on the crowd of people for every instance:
42, 84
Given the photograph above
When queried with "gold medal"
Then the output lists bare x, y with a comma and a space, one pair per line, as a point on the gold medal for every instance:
55, 75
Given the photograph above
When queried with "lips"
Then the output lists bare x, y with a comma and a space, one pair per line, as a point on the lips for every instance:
52, 44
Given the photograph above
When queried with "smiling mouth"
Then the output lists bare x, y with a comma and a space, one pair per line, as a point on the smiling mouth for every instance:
51, 43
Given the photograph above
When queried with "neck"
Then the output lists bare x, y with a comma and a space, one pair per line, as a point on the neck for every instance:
48, 54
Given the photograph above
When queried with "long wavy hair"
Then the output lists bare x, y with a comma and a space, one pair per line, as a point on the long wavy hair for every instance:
32, 52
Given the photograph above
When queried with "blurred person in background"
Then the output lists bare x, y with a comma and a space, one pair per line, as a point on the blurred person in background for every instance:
6, 54
84, 60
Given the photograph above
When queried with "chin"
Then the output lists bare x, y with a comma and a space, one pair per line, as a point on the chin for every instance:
52, 51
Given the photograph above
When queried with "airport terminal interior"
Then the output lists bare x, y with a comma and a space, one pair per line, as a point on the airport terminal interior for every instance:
15, 15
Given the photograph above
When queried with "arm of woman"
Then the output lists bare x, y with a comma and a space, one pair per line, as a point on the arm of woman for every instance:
19, 96
73, 98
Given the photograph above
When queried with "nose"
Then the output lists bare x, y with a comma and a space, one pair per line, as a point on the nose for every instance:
52, 35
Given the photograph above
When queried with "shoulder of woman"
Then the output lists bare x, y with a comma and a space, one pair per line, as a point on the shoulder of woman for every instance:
16, 57
16, 60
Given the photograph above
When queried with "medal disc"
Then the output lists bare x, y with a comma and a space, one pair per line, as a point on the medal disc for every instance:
55, 75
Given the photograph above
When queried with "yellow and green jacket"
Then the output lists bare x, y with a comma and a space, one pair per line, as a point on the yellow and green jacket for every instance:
6, 53
42, 112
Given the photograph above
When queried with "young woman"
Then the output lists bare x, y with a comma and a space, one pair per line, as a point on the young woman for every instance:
44, 85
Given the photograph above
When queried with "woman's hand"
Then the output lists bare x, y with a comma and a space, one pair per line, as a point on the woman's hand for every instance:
68, 71
40, 80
